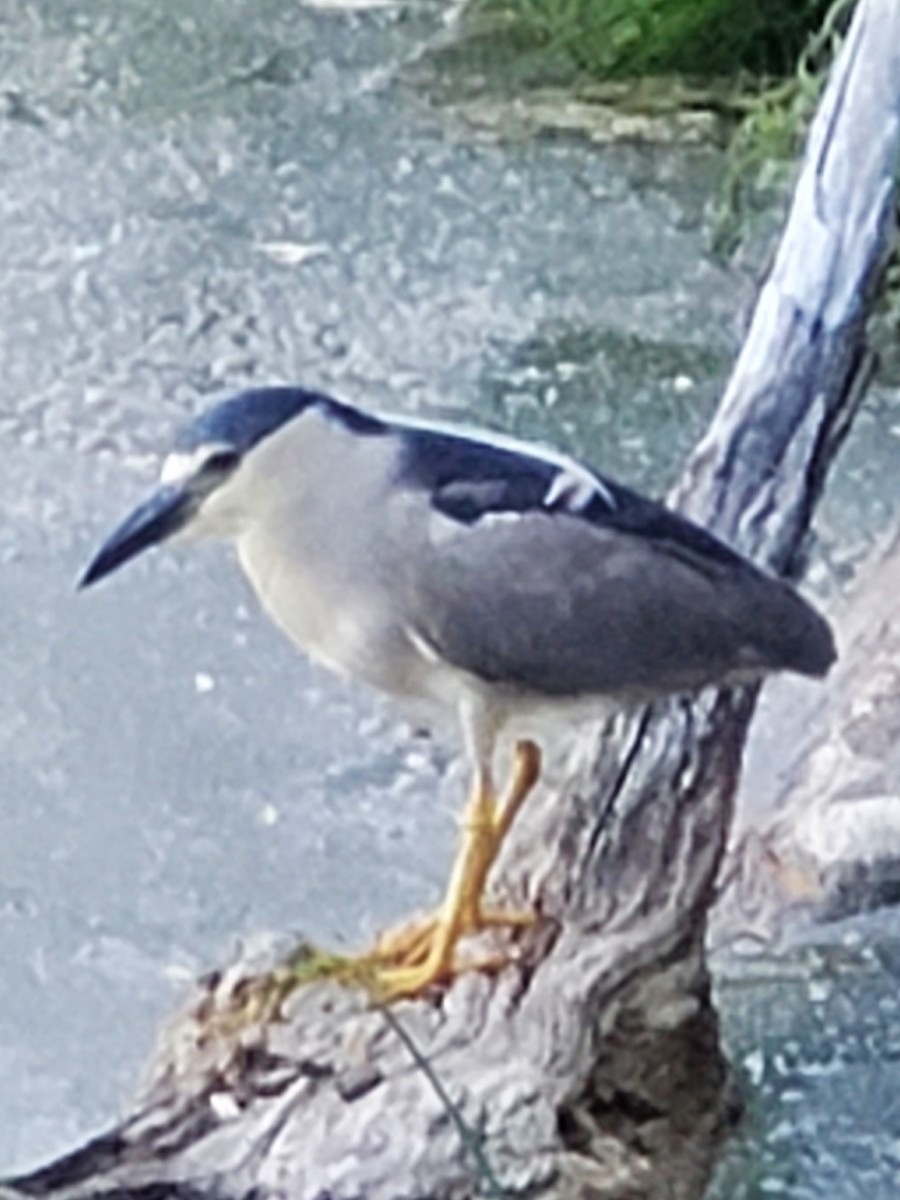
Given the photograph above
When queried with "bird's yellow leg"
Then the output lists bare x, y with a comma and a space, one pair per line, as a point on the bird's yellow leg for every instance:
410, 943
525, 774
425, 954
430, 938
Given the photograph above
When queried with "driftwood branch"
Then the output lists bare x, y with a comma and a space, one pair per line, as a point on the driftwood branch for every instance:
571, 1068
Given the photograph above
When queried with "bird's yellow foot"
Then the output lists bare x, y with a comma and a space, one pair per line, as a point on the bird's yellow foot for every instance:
397, 983
389, 982
410, 944
412, 958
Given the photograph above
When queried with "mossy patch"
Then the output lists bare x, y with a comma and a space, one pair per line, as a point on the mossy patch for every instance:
610, 39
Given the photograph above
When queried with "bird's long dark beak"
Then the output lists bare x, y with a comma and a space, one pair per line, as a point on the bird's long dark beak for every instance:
167, 510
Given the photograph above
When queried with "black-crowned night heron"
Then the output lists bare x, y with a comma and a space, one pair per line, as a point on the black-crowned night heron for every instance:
471, 570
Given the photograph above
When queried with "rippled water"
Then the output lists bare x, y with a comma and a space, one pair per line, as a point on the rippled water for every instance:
194, 197
815, 1035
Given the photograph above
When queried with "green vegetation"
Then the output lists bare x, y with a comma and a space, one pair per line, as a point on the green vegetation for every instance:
753, 68
615, 39
766, 143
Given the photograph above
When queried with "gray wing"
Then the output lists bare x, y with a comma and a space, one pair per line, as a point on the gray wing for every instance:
557, 605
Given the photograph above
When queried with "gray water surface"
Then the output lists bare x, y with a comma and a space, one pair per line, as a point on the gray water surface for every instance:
815, 1036
195, 197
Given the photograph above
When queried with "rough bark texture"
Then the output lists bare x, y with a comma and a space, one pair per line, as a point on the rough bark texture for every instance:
592, 1069
828, 846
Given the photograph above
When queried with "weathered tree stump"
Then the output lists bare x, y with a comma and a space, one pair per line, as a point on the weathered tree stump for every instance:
592, 1068
828, 846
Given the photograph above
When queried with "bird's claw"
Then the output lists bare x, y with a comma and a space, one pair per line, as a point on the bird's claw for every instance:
410, 944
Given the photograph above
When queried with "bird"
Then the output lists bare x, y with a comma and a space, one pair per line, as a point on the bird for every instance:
499, 580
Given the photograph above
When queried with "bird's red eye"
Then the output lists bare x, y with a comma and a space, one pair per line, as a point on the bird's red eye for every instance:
221, 462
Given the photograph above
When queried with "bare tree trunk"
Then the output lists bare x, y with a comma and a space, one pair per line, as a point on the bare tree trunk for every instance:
593, 1069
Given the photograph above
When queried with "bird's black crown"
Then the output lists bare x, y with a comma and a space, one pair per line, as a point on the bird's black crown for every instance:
244, 420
